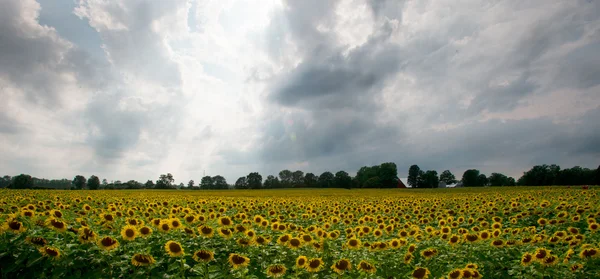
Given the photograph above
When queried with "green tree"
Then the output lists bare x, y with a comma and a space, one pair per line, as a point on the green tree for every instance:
79, 182
254, 180
326, 180
343, 180
93, 182
5, 181
297, 179
498, 179
482, 180
271, 182
285, 178
149, 184
597, 176
220, 182
207, 183
413, 176
373, 182
190, 183
241, 183
388, 175
470, 178
430, 179
165, 181
22, 181
310, 180
447, 177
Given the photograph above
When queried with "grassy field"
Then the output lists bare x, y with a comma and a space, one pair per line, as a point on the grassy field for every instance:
518, 232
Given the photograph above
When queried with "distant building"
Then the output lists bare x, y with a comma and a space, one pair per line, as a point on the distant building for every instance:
459, 184
442, 184
401, 184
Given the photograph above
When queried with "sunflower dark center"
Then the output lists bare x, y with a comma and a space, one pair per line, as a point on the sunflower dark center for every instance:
14, 225
174, 247
236, 259
276, 269
51, 252
295, 242
145, 230
204, 255
108, 241
206, 230
129, 233
58, 224
342, 265
165, 227
314, 263
454, 274
142, 259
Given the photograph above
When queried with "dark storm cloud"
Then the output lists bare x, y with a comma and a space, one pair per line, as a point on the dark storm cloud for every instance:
335, 94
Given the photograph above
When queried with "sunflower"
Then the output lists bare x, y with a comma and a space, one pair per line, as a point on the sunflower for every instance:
455, 274
142, 260
14, 226
526, 259
175, 223
576, 267
245, 242
283, 240
107, 243
453, 240
50, 252
174, 249
276, 270
38, 241
107, 217
408, 257
301, 262
145, 231
593, 227
498, 243
366, 267
86, 235
261, 240
540, 254
589, 253
420, 272
206, 231
471, 237
341, 266
353, 243
164, 226
56, 224
394, 243
129, 233
203, 256
550, 260
429, 253
295, 243
238, 261
225, 221
314, 265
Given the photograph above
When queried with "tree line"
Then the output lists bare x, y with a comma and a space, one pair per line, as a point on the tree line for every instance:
377, 176
540, 175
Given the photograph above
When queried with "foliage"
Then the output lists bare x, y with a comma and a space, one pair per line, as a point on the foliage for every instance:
326, 180
93, 182
470, 178
22, 181
413, 176
447, 177
79, 182
254, 180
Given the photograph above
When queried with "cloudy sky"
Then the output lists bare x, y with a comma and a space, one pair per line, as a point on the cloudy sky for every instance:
132, 89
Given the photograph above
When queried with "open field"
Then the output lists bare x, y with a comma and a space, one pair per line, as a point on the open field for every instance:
515, 232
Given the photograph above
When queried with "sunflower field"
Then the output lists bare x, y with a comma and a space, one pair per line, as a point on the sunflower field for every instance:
516, 232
